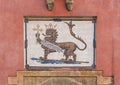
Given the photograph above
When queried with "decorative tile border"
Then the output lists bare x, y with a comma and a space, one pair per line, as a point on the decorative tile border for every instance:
47, 46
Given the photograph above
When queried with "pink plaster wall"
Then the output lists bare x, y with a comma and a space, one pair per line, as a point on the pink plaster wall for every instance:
12, 13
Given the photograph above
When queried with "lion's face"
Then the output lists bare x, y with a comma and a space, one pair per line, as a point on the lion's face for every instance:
51, 32
51, 35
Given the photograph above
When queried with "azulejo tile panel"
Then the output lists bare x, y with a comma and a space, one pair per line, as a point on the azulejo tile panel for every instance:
60, 42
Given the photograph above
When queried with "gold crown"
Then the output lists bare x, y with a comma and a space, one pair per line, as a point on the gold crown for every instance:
50, 26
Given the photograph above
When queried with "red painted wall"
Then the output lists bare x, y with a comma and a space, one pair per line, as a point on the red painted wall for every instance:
12, 14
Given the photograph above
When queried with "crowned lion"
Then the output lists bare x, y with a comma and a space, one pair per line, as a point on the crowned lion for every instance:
50, 45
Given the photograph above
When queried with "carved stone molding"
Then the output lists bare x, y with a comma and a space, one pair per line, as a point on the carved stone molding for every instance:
69, 4
50, 4
60, 78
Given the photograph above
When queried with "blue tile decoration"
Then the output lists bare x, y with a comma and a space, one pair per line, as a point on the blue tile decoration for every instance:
57, 61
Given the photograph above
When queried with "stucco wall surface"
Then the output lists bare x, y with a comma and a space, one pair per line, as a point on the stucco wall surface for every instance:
12, 14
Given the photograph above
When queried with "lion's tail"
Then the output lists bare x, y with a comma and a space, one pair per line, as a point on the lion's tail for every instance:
82, 48
73, 34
